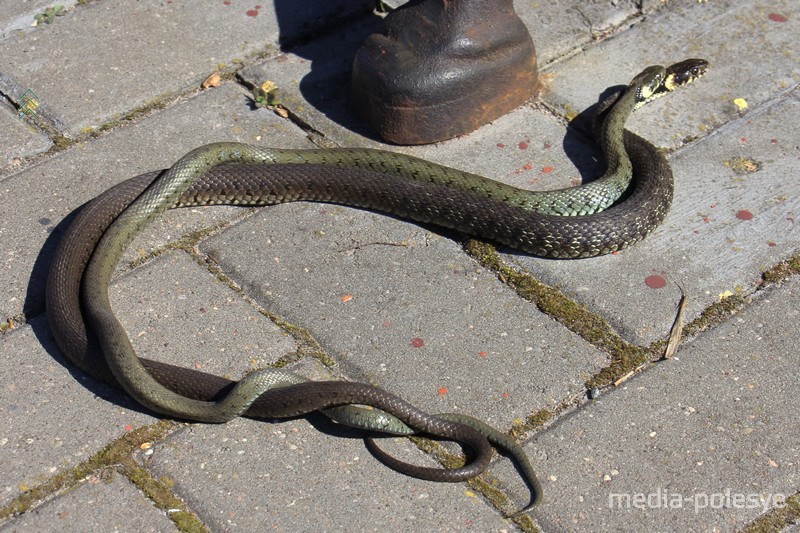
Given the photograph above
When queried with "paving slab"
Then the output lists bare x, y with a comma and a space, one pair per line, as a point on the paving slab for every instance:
707, 441
54, 416
558, 29
141, 51
179, 313
108, 502
20, 16
54, 188
18, 140
692, 29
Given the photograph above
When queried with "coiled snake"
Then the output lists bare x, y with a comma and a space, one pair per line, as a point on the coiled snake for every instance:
383, 181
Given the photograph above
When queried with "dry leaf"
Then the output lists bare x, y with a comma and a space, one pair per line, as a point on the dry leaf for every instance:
215, 80
677, 329
624, 378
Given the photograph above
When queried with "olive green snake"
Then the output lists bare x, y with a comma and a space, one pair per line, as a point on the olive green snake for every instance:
569, 223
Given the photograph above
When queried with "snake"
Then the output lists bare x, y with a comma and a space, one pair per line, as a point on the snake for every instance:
389, 182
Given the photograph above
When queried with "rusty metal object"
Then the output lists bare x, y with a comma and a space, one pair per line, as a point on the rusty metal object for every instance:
443, 68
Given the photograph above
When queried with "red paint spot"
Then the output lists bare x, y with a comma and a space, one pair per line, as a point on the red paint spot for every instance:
707, 219
744, 214
547, 145
527, 166
655, 281
506, 395
227, 2
128, 427
712, 206
501, 145
547, 170
416, 342
777, 17
743, 140
772, 244
483, 354
523, 145
251, 12
774, 141
387, 324
442, 391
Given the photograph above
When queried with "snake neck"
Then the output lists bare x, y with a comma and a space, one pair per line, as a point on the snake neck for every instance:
609, 127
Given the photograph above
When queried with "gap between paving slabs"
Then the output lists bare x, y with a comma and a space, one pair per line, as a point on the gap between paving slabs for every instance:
118, 455
627, 358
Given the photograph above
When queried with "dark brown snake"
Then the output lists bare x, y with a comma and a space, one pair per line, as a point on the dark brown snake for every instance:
463, 208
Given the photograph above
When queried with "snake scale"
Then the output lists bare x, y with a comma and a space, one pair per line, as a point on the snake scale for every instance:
383, 181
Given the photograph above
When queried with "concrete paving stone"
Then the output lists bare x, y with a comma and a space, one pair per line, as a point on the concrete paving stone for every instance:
716, 426
18, 140
560, 28
708, 243
400, 306
140, 51
683, 29
19, 16
252, 476
528, 149
176, 311
313, 81
54, 416
106, 503
54, 188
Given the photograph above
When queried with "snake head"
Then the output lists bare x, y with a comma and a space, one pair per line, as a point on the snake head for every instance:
684, 73
656, 81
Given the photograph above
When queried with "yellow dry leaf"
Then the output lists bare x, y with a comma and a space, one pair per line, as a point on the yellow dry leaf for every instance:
215, 80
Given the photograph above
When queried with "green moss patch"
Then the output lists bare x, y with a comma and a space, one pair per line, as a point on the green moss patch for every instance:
119, 456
